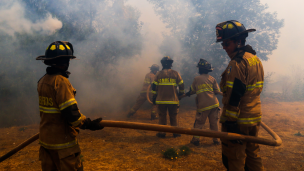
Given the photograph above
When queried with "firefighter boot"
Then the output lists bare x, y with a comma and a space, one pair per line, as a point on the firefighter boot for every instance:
161, 135
195, 141
153, 115
131, 113
176, 135
216, 142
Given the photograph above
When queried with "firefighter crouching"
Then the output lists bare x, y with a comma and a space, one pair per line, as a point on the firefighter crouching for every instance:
166, 95
59, 113
241, 84
149, 78
206, 87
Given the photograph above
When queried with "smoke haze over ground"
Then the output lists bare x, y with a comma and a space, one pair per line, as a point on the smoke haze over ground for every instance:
115, 41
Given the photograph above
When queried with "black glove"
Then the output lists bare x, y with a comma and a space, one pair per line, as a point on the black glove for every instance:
188, 94
154, 99
92, 125
179, 95
232, 126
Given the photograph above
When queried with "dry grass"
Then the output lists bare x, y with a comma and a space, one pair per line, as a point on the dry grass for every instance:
125, 149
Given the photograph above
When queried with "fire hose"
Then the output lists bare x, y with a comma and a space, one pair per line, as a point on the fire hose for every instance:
163, 128
148, 94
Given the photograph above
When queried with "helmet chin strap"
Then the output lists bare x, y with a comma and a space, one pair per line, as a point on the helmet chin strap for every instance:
239, 44
62, 67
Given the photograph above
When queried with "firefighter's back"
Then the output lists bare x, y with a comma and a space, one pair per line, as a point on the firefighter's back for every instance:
167, 81
205, 85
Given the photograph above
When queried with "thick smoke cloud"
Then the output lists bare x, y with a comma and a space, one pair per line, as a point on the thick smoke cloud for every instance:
112, 49
198, 38
12, 19
107, 41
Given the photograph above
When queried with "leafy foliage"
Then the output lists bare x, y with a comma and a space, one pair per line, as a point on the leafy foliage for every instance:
173, 154
184, 150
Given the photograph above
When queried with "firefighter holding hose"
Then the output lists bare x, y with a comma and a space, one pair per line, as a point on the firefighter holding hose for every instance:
166, 95
241, 84
149, 78
59, 113
206, 87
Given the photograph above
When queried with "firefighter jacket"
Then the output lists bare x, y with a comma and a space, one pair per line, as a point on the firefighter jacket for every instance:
60, 116
205, 86
165, 86
149, 78
242, 84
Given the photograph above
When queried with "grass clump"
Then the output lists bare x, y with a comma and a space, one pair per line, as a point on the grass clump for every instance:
184, 150
299, 134
81, 158
22, 129
173, 154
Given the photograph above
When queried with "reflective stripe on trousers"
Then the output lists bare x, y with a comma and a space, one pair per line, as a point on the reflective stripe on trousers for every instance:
58, 146
167, 102
208, 108
244, 121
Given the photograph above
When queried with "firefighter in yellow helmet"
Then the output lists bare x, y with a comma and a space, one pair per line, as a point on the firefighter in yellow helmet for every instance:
149, 78
59, 113
206, 87
166, 94
241, 84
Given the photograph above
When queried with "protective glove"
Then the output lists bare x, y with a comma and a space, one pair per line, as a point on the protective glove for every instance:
154, 99
232, 126
92, 125
188, 94
180, 95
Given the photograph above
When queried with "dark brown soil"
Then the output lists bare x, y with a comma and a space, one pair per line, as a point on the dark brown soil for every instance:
126, 149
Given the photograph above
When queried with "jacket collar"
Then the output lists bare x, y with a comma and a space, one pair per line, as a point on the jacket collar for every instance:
246, 48
57, 71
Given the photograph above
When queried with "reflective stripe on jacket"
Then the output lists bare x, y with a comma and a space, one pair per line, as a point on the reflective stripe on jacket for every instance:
55, 95
166, 82
242, 84
205, 87
149, 78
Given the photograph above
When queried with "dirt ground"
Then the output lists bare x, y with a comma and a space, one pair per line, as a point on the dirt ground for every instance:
126, 149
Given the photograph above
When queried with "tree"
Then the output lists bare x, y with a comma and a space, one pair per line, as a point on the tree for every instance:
193, 23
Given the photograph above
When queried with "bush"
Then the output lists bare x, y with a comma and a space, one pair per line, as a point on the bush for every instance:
173, 153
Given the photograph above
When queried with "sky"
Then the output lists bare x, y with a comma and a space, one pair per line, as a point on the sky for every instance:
288, 52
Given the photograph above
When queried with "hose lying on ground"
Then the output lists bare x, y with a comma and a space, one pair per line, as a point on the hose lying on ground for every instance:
164, 128
148, 94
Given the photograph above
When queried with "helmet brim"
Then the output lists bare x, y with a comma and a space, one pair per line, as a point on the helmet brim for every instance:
247, 31
42, 57
205, 68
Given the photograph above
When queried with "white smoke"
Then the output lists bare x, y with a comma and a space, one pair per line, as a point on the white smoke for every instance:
12, 20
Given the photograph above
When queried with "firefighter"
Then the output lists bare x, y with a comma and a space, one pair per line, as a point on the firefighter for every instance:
149, 78
59, 113
166, 95
241, 84
206, 87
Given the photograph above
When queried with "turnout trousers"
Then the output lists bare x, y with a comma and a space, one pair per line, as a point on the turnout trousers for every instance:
162, 112
141, 100
212, 115
240, 157
60, 160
